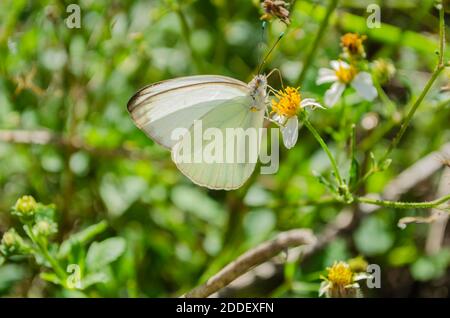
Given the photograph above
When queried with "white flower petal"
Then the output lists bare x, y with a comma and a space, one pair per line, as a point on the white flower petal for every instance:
361, 276
326, 75
290, 132
333, 94
363, 85
338, 64
354, 285
278, 119
310, 102
335, 65
324, 287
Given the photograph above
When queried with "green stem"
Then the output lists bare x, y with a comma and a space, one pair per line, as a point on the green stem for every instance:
411, 113
187, 36
44, 252
312, 52
427, 87
441, 34
343, 120
384, 98
324, 147
302, 203
404, 205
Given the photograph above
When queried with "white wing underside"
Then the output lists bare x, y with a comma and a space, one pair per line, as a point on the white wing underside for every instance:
223, 174
220, 102
160, 108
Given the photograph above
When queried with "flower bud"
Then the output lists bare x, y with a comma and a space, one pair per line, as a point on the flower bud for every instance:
352, 46
25, 206
358, 264
276, 8
44, 228
383, 70
12, 243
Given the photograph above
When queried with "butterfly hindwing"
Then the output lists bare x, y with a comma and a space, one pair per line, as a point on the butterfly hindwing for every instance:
229, 117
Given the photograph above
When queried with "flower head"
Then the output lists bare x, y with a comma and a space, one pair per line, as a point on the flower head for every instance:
45, 228
342, 74
340, 274
346, 74
341, 282
277, 8
383, 70
25, 207
352, 44
286, 105
12, 243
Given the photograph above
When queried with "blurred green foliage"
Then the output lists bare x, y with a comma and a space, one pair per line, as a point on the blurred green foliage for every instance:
164, 234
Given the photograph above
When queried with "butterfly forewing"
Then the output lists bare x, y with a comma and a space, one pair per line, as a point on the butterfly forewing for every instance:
160, 108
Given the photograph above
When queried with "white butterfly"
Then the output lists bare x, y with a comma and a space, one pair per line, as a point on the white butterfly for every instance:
218, 101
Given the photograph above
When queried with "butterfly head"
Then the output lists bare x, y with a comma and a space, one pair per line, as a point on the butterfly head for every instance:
258, 91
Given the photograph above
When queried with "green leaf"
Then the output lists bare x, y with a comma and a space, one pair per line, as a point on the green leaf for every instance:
431, 267
354, 173
373, 237
94, 278
45, 212
9, 274
81, 238
196, 202
103, 253
324, 181
402, 255
119, 193
50, 277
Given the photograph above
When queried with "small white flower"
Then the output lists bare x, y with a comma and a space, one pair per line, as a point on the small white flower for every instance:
341, 75
285, 110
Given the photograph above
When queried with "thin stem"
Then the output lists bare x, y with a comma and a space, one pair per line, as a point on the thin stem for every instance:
441, 34
411, 113
325, 148
187, 36
384, 98
404, 205
343, 120
44, 252
306, 202
427, 87
309, 58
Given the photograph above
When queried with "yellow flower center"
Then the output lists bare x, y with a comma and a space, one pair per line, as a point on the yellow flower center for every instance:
352, 43
286, 102
340, 274
346, 75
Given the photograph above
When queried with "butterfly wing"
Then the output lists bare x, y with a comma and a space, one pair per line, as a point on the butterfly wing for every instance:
160, 108
230, 117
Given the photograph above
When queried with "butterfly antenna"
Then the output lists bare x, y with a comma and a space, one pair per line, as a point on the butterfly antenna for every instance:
270, 51
261, 43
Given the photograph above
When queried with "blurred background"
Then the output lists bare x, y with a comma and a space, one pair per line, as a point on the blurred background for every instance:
66, 138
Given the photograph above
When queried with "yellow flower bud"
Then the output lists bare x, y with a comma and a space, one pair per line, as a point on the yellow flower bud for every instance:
26, 205
383, 70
